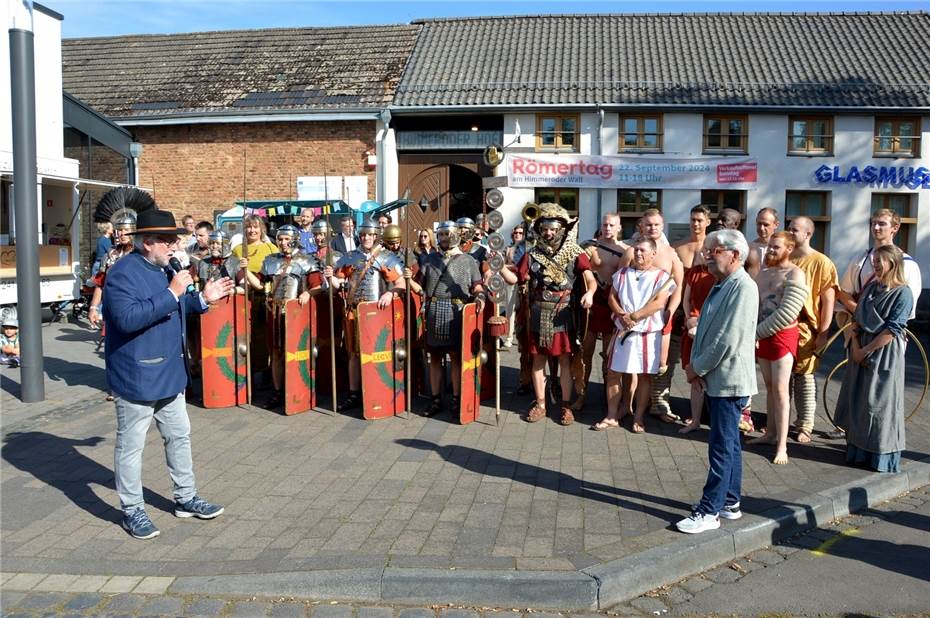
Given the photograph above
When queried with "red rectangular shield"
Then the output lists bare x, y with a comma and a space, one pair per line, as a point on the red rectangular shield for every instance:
223, 369
381, 337
299, 392
470, 394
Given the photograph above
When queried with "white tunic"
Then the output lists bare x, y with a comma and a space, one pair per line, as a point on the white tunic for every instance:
641, 351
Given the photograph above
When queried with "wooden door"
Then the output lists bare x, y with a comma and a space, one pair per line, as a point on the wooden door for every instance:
431, 183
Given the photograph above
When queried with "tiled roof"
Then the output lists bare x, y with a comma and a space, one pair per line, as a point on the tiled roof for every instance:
319, 69
720, 59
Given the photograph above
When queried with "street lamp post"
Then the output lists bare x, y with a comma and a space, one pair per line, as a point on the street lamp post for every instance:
25, 200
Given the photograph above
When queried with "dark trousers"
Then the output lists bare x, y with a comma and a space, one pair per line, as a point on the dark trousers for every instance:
725, 454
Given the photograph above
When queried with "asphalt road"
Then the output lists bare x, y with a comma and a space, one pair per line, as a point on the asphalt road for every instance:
875, 563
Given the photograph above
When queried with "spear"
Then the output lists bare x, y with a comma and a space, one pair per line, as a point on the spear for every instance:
329, 288
245, 282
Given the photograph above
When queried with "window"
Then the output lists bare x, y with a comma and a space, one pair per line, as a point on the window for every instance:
557, 132
905, 204
630, 205
810, 135
641, 133
566, 198
726, 134
718, 200
813, 205
898, 137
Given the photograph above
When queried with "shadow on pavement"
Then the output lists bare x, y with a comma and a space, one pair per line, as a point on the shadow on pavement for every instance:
489, 464
56, 462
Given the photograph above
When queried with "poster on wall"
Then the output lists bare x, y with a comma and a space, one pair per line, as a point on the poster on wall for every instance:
591, 171
351, 189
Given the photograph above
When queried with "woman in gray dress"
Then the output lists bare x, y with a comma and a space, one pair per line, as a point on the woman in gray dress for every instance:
871, 402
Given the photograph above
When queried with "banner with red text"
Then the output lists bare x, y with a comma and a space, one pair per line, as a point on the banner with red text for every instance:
591, 171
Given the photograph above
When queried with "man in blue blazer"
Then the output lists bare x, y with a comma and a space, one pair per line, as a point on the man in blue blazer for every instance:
145, 313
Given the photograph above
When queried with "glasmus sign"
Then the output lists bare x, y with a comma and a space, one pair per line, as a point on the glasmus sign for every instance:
882, 176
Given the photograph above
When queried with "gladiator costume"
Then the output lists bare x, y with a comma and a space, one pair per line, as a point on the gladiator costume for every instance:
550, 275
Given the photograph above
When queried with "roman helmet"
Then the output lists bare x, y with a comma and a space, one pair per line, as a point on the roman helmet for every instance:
124, 221
466, 229
218, 244
369, 226
447, 235
320, 226
552, 216
291, 231
390, 233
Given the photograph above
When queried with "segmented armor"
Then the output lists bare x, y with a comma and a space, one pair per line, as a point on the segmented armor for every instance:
211, 269
287, 275
367, 275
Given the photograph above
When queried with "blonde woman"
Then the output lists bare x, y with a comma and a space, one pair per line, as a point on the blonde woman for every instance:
871, 402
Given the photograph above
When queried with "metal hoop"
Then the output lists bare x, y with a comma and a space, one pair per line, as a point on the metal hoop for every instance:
923, 394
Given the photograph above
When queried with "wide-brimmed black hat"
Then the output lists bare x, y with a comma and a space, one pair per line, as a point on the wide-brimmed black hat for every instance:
159, 222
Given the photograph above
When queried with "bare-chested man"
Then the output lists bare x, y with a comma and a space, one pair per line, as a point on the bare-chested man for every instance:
666, 259
814, 323
605, 253
690, 249
782, 292
766, 224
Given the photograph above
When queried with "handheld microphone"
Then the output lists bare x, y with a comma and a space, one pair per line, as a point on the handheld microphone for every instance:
175, 263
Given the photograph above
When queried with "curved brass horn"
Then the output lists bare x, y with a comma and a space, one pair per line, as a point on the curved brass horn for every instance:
530, 212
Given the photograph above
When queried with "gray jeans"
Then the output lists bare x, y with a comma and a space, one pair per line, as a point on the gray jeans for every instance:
133, 419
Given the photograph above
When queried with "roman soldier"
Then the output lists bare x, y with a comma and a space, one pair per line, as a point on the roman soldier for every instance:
365, 274
550, 269
289, 274
218, 262
450, 280
467, 236
321, 233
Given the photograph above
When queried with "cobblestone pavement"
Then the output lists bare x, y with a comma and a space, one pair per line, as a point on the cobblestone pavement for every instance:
28, 595
315, 491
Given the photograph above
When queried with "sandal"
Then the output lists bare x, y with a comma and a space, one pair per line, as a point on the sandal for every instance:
536, 413
567, 417
668, 417
607, 423
804, 436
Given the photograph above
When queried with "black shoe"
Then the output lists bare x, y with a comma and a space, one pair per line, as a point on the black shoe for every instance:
836, 434
435, 406
455, 404
351, 402
277, 400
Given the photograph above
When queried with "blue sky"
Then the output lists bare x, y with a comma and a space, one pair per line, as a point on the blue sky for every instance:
84, 18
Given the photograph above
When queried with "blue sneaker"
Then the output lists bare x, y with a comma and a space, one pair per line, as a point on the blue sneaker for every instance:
197, 507
138, 524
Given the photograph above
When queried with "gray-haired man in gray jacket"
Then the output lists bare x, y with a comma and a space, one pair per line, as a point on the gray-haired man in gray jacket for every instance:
724, 361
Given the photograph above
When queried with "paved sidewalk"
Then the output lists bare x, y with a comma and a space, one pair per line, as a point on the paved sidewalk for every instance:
411, 510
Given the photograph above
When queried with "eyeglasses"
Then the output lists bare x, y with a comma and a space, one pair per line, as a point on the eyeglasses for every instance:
711, 252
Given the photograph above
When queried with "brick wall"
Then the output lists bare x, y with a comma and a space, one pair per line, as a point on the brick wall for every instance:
198, 169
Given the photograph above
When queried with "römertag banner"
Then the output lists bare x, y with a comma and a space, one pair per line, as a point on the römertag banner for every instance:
591, 171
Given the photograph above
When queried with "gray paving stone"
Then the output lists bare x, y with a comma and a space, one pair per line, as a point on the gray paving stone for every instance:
649, 605
204, 607
766, 557
374, 612
416, 612
84, 601
695, 584
124, 603
289, 610
677, 595
458, 613
11, 598
167, 605
248, 609
722, 575
37, 601
332, 611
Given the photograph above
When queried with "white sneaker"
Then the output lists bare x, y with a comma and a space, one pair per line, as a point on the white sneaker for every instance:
698, 522
731, 511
